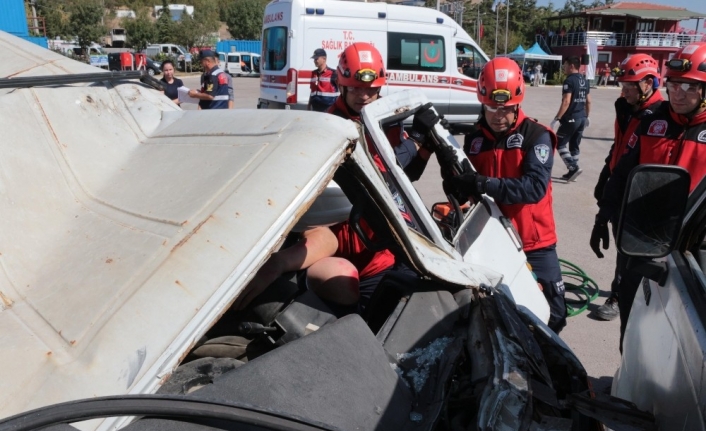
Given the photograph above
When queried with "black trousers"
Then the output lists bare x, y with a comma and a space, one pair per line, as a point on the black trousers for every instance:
545, 265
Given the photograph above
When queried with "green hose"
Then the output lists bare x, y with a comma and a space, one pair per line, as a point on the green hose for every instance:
582, 289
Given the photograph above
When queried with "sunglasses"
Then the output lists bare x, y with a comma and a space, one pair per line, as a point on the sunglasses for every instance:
686, 87
503, 110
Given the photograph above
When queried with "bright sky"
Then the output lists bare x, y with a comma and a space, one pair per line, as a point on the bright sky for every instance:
692, 5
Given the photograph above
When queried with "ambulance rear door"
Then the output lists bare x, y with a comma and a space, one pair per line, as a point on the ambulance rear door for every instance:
277, 78
418, 57
334, 26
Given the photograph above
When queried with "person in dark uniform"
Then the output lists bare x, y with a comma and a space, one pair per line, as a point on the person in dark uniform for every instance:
572, 116
639, 78
214, 84
323, 86
674, 134
514, 155
171, 84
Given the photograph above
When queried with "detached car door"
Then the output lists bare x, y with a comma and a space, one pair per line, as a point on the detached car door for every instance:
663, 367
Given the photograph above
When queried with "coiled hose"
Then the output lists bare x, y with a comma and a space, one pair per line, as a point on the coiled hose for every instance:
581, 285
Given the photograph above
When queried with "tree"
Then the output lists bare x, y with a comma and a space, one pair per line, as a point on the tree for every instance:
85, 22
165, 25
244, 19
140, 31
56, 18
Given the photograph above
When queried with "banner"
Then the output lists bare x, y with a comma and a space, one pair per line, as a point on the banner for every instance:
592, 48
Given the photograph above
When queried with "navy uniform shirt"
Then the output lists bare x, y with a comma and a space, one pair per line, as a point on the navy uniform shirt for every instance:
578, 86
214, 83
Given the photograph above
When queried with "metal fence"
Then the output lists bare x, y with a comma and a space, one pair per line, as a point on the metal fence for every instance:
607, 38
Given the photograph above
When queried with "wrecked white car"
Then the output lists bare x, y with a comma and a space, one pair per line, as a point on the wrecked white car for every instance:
129, 228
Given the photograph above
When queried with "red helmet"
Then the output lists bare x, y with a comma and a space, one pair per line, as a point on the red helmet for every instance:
689, 62
360, 65
501, 83
637, 67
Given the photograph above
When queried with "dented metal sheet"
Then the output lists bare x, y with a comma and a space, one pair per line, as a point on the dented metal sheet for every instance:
129, 226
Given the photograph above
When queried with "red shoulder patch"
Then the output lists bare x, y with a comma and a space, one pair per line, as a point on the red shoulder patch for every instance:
222, 79
632, 141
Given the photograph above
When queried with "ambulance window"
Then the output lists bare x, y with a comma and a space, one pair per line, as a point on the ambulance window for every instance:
274, 48
406, 51
469, 60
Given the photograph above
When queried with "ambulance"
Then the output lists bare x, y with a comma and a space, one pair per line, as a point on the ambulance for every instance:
423, 48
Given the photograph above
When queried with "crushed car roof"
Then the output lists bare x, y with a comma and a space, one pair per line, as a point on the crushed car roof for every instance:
129, 225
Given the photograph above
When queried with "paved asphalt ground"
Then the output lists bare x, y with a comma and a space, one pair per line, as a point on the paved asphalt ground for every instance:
595, 342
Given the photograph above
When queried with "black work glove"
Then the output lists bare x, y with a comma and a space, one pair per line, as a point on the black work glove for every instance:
422, 125
468, 183
600, 185
600, 232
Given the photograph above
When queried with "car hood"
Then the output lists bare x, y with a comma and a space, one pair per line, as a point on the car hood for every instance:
129, 226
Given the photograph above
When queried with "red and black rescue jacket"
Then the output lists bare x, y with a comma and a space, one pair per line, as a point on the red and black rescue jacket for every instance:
519, 166
664, 137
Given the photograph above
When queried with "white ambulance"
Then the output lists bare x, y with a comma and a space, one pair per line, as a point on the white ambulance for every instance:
423, 48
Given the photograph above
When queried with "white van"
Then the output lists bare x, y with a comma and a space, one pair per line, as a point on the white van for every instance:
421, 47
176, 51
233, 63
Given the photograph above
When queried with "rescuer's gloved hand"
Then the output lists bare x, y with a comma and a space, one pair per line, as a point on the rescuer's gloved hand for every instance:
600, 232
553, 124
423, 123
468, 183
587, 123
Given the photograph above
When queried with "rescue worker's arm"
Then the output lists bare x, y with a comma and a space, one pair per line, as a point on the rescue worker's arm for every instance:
610, 202
532, 186
196, 94
588, 105
565, 102
316, 244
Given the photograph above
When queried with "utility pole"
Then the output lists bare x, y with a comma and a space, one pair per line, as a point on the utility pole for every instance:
497, 22
507, 20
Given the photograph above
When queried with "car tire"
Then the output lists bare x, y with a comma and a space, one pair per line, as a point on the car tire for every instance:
150, 72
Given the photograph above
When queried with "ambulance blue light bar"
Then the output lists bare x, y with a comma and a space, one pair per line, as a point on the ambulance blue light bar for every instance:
310, 11
440, 20
319, 11
382, 14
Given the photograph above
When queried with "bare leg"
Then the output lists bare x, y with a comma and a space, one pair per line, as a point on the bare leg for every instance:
334, 279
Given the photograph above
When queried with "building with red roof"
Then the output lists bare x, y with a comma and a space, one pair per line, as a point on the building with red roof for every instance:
621, 30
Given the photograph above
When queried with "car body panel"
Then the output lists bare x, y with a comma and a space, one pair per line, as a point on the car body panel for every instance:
143, 229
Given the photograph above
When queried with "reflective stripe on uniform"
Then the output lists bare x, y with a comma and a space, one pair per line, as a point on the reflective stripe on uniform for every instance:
226, 97
321, 93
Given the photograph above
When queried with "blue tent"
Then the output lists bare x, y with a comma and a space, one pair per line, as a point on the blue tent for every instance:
518, 51
536, 50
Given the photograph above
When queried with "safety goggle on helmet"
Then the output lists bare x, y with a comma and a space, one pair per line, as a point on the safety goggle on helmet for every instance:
361, 65
501, 83
689, 62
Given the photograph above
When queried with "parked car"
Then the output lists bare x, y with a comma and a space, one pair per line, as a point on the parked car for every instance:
130, 231
153, 67
663, 368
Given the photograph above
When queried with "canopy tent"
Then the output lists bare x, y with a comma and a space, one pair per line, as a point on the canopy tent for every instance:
533, 53
518, 51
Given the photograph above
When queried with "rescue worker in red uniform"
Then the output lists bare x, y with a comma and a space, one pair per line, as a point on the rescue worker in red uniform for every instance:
513, 156
674, 134
324, 86
640, 96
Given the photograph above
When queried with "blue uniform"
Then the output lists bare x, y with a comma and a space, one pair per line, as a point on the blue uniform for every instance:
214, 83
574, 119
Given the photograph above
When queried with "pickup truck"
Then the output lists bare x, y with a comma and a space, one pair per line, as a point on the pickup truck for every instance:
122, 254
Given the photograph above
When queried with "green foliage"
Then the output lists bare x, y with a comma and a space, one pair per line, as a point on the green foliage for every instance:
165, 25
557, 78
244, 18
56, 18
86, 22
140, 31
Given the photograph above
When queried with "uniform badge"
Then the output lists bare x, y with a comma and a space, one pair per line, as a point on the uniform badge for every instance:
657, 128
566, 86
632, 141
542, 152
476, 145
702, 136
222, 79
515, 141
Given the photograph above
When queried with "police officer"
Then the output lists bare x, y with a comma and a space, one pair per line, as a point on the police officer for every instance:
214, 84
323, 86
639, 78
674, 134
572, 116
514, 155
